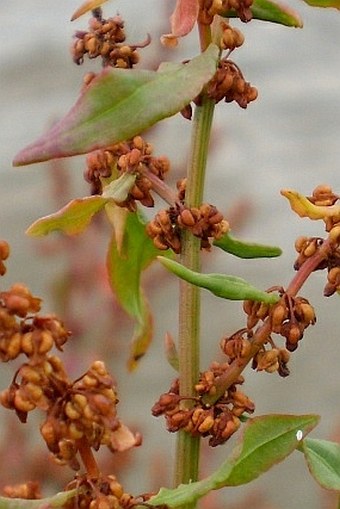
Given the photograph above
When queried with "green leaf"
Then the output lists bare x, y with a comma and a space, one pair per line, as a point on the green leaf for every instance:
274, 12
323, 3
120, 103
323, 460
125, 264
221, 285
246, 249
266, 440
71, 219
57, 500
119, 188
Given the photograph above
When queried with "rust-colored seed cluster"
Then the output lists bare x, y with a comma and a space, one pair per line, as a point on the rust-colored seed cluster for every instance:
86, 411
218, 421
307, 247
4, 254
228, 84
28, 491
210, 8
231, 37
205, 222
83, 410
104, 492
105, 39
288, 318
132, 156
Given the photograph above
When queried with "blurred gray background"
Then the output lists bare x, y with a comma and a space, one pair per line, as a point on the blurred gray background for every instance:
288, 138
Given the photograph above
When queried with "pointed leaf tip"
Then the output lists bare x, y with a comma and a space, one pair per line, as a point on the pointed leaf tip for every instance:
86, 7
244, 249
273, 12
72, 219
221, 285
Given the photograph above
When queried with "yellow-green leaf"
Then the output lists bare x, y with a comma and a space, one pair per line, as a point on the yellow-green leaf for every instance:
71, 219
305, 208
323, 3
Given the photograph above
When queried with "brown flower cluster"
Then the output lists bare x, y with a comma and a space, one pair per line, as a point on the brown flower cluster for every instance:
289, 318
104, 492
4, 254
133, 156
105, 39
212, 7
218, 421
83, 410
205, 222
231, 37
238, 347
28, 491
228, 84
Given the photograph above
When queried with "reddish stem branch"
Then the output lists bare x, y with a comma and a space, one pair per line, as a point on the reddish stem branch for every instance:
162, 189
308, 267
263, 332
88, 459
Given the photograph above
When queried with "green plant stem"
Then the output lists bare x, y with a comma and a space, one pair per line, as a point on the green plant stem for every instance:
187, 454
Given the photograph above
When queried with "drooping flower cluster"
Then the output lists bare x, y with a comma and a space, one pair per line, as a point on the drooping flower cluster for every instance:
289, 318
229, 85
104, 492
106, 39
132, 156
205, 222
218, 421
228, 82
76, 412
211, 8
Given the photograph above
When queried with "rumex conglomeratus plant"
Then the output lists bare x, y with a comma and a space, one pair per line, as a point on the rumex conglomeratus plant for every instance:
125, 173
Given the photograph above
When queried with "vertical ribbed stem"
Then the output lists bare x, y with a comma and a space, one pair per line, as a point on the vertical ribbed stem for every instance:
187, 460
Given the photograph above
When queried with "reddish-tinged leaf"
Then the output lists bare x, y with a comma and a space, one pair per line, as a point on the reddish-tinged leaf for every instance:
71, 219
182, 19
120, 103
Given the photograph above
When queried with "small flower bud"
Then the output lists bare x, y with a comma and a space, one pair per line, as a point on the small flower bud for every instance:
22, 404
